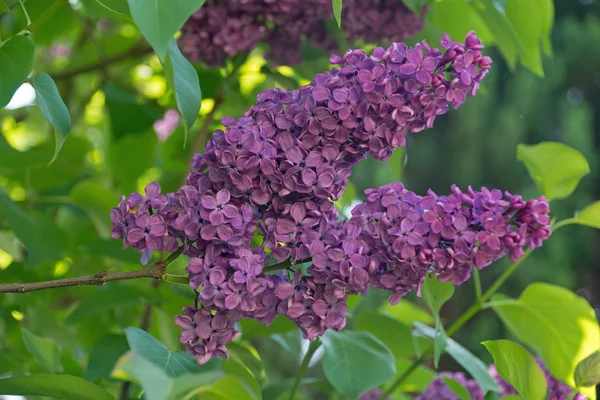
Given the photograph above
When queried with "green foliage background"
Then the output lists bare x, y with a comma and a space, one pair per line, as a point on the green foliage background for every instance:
54, 219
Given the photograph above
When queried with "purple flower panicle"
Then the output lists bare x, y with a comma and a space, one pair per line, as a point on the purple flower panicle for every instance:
276, 172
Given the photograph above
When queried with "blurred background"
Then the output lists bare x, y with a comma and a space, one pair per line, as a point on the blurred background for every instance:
54, 219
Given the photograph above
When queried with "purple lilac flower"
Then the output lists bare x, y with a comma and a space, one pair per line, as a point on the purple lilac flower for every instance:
166, 126
222, 29
438, 390
556, 389
448, 235
278, 169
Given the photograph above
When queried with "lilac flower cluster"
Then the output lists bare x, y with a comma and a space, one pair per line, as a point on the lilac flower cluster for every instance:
409, 236
438, 390
222, 29
557, 390
372, 21
277, 171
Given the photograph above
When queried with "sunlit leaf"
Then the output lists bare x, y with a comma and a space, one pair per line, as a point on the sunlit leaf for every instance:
589, 216
519, 368
558, 325
555, 167
337, 11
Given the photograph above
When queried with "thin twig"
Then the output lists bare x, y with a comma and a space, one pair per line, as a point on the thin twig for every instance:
154, 271
136, 51
312, 348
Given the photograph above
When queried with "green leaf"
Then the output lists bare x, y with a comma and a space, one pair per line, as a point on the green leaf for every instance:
117, 6
589, 216
527, 19
337, 11
44, 350
587, 372
408, 312
53, 108
440, 342
16, 61
159, 20
156, 383
43, 240
504, 33
239, 384
416, 6
555, 167
459, 390
558, 325
104, 355
418, 380
457, 18
519, 368
185, 83
436, 293
469, 362
57, 386
355, 362
394, 334
3, 7
173, 363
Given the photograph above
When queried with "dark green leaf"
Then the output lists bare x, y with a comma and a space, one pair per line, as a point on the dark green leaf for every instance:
117, 6
104, 355
337, 11
589, 216
459, 390
436, 293
43, 240
355, 362
558, 325
128, 115
469, 362
519, 368
173, 363
393, 333
57, 386
587, 372
16, 61
44, 350
159, 20
97, 200
252, 328
105, 298
185, 83
53, 108
555, 167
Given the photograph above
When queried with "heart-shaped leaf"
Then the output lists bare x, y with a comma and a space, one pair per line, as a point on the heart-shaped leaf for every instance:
355, 362
587, 372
